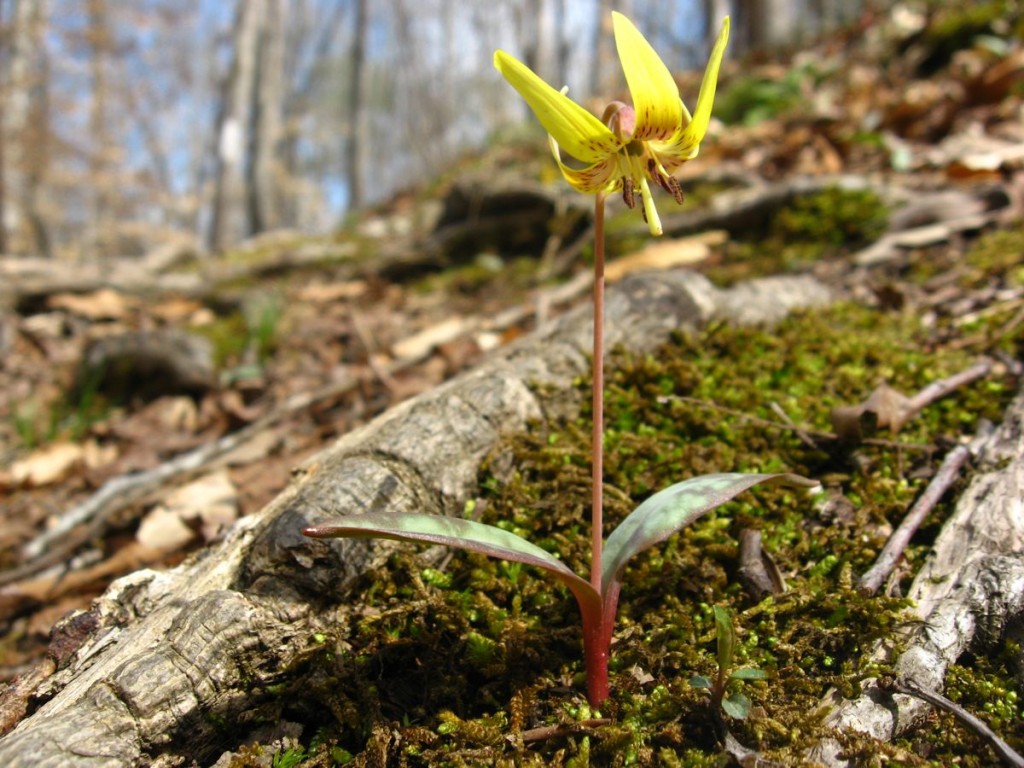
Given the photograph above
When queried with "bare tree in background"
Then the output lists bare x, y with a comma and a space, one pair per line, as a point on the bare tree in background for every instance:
249, 173
99, 241
541, 39
355, 143
265, 172
102, 146
715, 12
4, 41
230, 217
603, 47
767, 25
26, 129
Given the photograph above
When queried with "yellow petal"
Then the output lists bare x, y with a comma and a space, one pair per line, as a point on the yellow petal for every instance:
590, 180
706, 99
576, 130
684, 145
654, 91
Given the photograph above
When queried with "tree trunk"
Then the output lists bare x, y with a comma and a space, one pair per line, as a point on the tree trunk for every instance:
265, 169
149, 674
26, 127
98, 243
355, 144
715, 12
230, 221
4, 42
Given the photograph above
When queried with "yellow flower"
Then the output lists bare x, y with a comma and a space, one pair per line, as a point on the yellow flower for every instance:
632, 144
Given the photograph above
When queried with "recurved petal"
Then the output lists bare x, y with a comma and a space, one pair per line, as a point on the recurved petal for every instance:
654, 91
576, 130
590, 180
683, 146
706, 98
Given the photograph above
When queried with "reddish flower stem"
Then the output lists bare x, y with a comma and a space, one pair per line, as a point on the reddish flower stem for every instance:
597, 441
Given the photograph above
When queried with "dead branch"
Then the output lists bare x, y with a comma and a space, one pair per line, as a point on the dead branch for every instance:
908, 687
893, 550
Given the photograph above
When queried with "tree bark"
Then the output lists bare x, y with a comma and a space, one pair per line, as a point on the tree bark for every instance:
146, 675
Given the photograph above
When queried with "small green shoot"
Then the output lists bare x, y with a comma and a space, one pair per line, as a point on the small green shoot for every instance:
289, 758
733, 702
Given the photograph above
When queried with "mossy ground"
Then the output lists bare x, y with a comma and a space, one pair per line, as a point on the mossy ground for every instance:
452, 665
822, 225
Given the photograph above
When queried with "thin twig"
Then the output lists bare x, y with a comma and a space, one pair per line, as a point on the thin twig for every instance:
801, 433
893, 550
909, 688
942, 387
552, 731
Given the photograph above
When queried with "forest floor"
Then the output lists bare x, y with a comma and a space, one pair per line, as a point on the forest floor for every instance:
137, 425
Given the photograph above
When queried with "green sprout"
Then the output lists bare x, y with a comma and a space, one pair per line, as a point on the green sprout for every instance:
724, 695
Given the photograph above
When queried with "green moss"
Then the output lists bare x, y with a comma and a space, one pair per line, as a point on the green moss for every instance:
824, 224
833, 217
253, 330
751, 99
488, 272
953, 28
997, 258
229, 335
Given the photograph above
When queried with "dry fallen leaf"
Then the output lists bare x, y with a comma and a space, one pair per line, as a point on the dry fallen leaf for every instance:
422, 344
209, 505
104, 304
48, 465
181, 310
327, 294
885, 408
664, 254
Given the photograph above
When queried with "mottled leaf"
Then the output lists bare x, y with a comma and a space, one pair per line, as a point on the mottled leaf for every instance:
455, 532
673, 508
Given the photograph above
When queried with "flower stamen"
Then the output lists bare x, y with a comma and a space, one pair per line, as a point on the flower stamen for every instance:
628, 186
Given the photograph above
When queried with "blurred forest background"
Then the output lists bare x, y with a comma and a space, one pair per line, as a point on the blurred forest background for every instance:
128, 124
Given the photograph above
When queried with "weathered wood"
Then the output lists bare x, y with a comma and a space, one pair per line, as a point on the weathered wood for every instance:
146, 675
970, 588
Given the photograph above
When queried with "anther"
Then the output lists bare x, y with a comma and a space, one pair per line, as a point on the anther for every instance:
674, 189
628, 185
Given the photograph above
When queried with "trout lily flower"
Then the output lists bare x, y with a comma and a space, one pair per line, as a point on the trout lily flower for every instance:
631, 144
